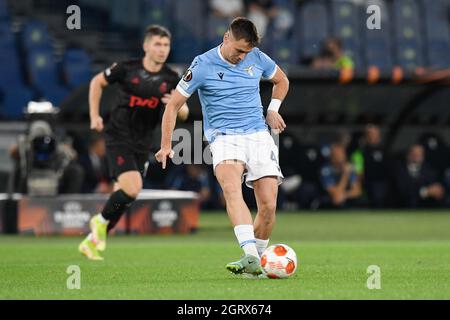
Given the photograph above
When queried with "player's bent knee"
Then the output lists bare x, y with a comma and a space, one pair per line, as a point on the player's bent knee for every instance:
231, 191
132, 190
269, 208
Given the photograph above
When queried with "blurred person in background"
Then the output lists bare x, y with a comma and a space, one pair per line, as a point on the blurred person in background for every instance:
371, 165
332, 56
416, 182
194, 178
260, 12
227, 8
96, 177
339, 180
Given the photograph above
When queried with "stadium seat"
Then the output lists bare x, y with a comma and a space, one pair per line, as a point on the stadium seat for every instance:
377, 43
35, 35
378, 54
439, 54
409, 44
345, 27
4, 11
409, 55
312, 27
99, 4
10, 71
155, 12
186, 12
44, 76
125, 13
6, 35
77, 67
188, 36
15, 99
436, 19
283, 50
437, 33
216, 27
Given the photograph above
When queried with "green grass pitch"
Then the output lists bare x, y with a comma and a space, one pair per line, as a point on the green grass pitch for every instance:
334, 251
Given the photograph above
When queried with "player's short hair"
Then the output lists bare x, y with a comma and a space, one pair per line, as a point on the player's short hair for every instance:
243, 28
157, 30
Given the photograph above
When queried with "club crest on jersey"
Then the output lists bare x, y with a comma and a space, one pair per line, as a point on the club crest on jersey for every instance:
136, 80
249, 70
163, 87
187, 76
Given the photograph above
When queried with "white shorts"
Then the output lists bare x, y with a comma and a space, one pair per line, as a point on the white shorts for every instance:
257, 150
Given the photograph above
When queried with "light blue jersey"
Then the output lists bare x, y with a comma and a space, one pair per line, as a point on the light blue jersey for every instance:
229, 94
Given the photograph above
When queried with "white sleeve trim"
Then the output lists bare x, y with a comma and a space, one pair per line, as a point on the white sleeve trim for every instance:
183, 93
273, 73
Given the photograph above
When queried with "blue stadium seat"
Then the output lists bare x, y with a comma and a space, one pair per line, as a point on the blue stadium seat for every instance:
187, 12
436, 17
15, 99
44, 76
439, 54
99, 4
6, 36
437, 33
377, 43
409, 56
156, 12
215, 29
77, 67
378, 54
284, 50
56, 95
345, 23
35, 35
125, 13
10, 71
408, 34
4, 11
312, 27
188, 36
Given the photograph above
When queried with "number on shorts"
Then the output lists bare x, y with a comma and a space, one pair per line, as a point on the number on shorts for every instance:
273, 157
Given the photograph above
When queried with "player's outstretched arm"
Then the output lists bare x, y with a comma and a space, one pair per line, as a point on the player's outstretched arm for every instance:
279, 93
168, 125
98, 83
183, 113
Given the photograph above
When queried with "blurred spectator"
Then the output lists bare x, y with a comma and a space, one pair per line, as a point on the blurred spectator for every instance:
300, 168
227, 8
370, 163
283, 20
332, 56
192, 178
260, 13
437, 153
416, 183
96, 179
339, 180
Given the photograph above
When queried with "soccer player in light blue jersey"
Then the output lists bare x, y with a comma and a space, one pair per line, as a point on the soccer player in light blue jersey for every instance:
227, 79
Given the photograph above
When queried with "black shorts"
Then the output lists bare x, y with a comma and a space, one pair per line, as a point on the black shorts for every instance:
122, 159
